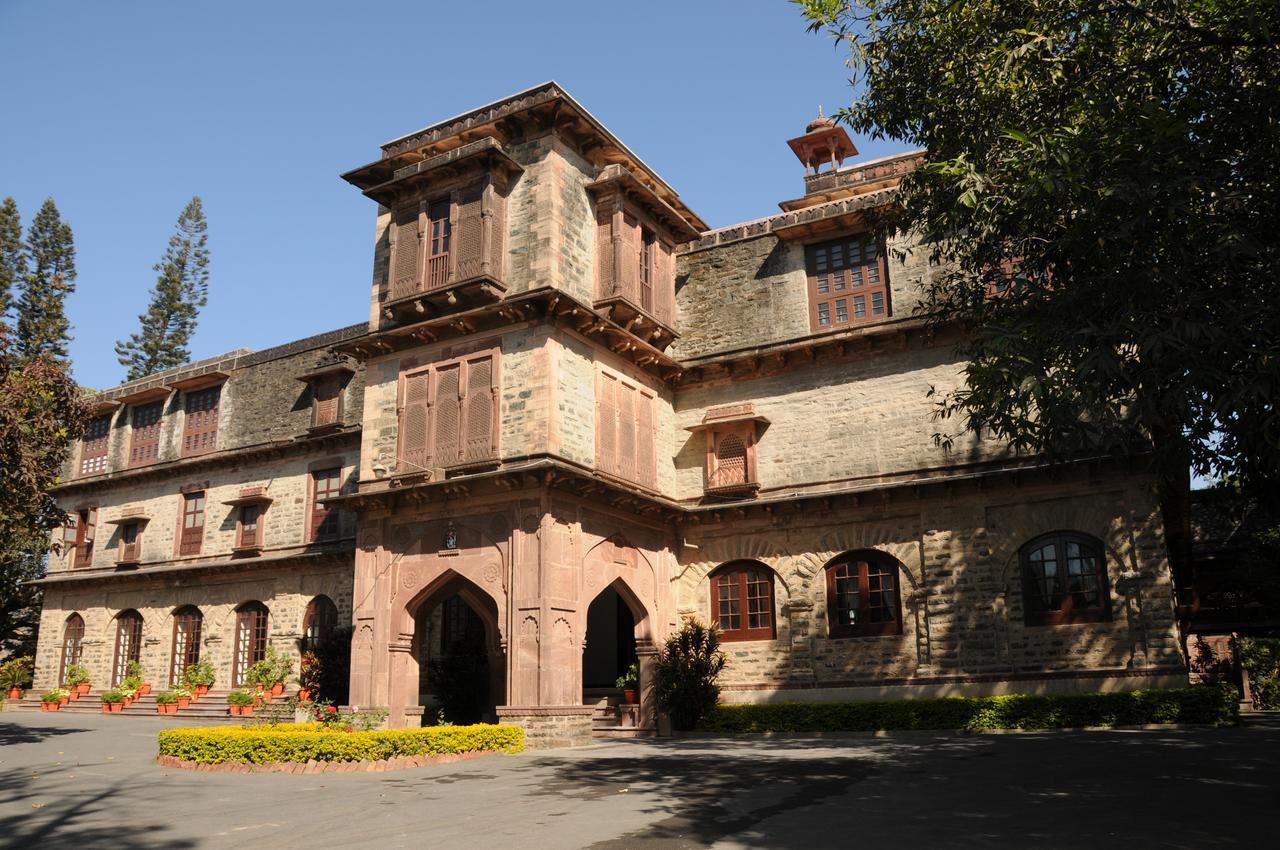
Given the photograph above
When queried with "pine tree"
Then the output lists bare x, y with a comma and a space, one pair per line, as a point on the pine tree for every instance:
42, 321
13, 255
180, 291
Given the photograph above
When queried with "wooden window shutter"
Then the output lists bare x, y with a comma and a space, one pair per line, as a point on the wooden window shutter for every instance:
93, 448
192, 534
415, 420
665, 284
646, 458
479, 410
446, 446
626, 431
405, 253
85, 528
200, 424
144, 443
497, 240
629, 286
326, 395
730, 461
606, 424
469, 244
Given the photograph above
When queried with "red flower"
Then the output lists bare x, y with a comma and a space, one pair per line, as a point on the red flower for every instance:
333, 710
348, 728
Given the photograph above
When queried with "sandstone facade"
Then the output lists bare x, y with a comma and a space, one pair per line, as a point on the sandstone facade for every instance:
577, 415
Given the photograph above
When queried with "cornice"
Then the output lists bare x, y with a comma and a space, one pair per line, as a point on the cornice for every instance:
313, 555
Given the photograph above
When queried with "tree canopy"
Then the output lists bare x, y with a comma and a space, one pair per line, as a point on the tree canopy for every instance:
42, 320
1108, 170
181, 290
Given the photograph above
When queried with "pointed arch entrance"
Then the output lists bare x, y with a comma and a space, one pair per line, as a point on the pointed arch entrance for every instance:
617, 637
460, 664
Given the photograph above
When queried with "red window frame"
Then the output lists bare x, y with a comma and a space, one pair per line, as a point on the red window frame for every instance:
72, 644
448, 414
326, 523
191, 523
188, 623
94, 445
626, 442
128, 644
200, 420
251, 639
86, 521
848, 282
742, 601
863, 598
326, 400
319, 622
130, 543
144, 437
249, 525
1060, 594
439, 235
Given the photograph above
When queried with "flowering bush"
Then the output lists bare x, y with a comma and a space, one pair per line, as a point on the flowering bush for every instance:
331, 717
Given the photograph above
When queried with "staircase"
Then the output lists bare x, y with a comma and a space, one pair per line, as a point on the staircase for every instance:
611, 718
210, 708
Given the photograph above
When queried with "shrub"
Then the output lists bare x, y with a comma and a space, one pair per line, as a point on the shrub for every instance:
629, 681
1261, 657
166, 698
130, 685
77, 674
1197, 704
113, 695
302, 742
240, 697
133, 670
55, 695
17, 672
687, 667
199, 673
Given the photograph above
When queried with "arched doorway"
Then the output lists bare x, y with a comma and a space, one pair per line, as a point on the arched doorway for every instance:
128, 644
187, 625
610, 646
460, 664
251, 640
72, 644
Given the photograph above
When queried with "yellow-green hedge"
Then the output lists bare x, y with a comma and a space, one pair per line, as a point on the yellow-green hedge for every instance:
302, 742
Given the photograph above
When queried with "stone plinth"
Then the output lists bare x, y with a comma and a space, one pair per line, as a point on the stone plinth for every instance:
549, 726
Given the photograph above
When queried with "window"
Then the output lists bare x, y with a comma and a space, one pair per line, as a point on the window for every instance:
625, 439
438, 235
1064, 578
862, 595
144, 441
84, 523
251, 640
326, 400
326, 523
847, 273
72, 644
648, 247
449, 413
635, 260
192, 534
200, 424
187, 623
742, 601
128, 644
248, 526
319, 622
130, 543
93, 448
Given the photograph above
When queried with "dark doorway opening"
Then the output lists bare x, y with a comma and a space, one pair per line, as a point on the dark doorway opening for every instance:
611, 641
454, 669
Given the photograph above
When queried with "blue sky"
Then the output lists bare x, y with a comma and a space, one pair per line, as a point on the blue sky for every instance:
123, 111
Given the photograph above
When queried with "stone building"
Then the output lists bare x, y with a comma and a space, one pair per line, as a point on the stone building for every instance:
575, 416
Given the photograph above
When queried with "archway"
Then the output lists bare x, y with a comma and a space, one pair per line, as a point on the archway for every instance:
610, 645
460, 665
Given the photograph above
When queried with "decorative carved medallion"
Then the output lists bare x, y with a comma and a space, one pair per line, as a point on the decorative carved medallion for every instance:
490, 573
450, 537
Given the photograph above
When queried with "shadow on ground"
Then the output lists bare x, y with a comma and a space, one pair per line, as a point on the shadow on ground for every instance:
17, 733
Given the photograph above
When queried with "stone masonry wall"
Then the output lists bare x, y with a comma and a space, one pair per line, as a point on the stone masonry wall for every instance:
960, 587
285, 590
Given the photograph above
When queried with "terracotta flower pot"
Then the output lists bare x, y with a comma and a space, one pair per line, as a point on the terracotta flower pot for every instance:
144, 689
64, 701
277, 689
183, 702
630, 696
116, 707
74, 695
246, 711
83, 688
201, 690
106, 708
15, 693
235, 710
304, 694
48, 706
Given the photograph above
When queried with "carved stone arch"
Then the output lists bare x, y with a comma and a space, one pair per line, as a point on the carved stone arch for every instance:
714, 554
644, 617
450, 582
788, 581
1077, 518
874, 537
592, 589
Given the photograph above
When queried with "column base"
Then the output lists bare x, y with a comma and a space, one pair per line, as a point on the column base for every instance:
550, 726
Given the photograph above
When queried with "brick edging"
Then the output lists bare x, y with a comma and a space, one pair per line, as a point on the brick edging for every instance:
312, 767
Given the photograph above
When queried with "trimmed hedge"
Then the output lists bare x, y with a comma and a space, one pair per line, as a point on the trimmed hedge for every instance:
1198, 704
302, 742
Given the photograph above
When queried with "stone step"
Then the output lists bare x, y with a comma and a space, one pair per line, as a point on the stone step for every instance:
622, 732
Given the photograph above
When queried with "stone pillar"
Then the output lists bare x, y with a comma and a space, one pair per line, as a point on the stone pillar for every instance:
364, 617
647, 657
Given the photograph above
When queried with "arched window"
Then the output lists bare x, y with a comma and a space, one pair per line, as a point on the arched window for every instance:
187, 623
742, 601
128, 644
251, 639
862, 595
1064, 579
319, 622
72, 644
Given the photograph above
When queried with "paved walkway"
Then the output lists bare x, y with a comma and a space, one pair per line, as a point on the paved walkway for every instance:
89, 782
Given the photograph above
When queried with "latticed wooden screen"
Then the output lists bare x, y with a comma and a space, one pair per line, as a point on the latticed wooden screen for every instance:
848, 282
251, 640
625, 439
200, 422
326, 395
730, 462
192, 535
449, 413
144, 441
187, 623
72, 644
93, 447
470, 234
406, 251
128, 644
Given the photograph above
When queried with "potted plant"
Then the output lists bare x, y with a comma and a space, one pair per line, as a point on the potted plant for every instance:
112, 701
198, 677
54, 698
182, 696
309, 668
77, 678
129, 687
15, 675
166, 702
135, 672
240, 703
282, 668
260, 674
629, 684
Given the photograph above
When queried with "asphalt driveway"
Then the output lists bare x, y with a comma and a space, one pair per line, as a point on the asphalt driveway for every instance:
89, 781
